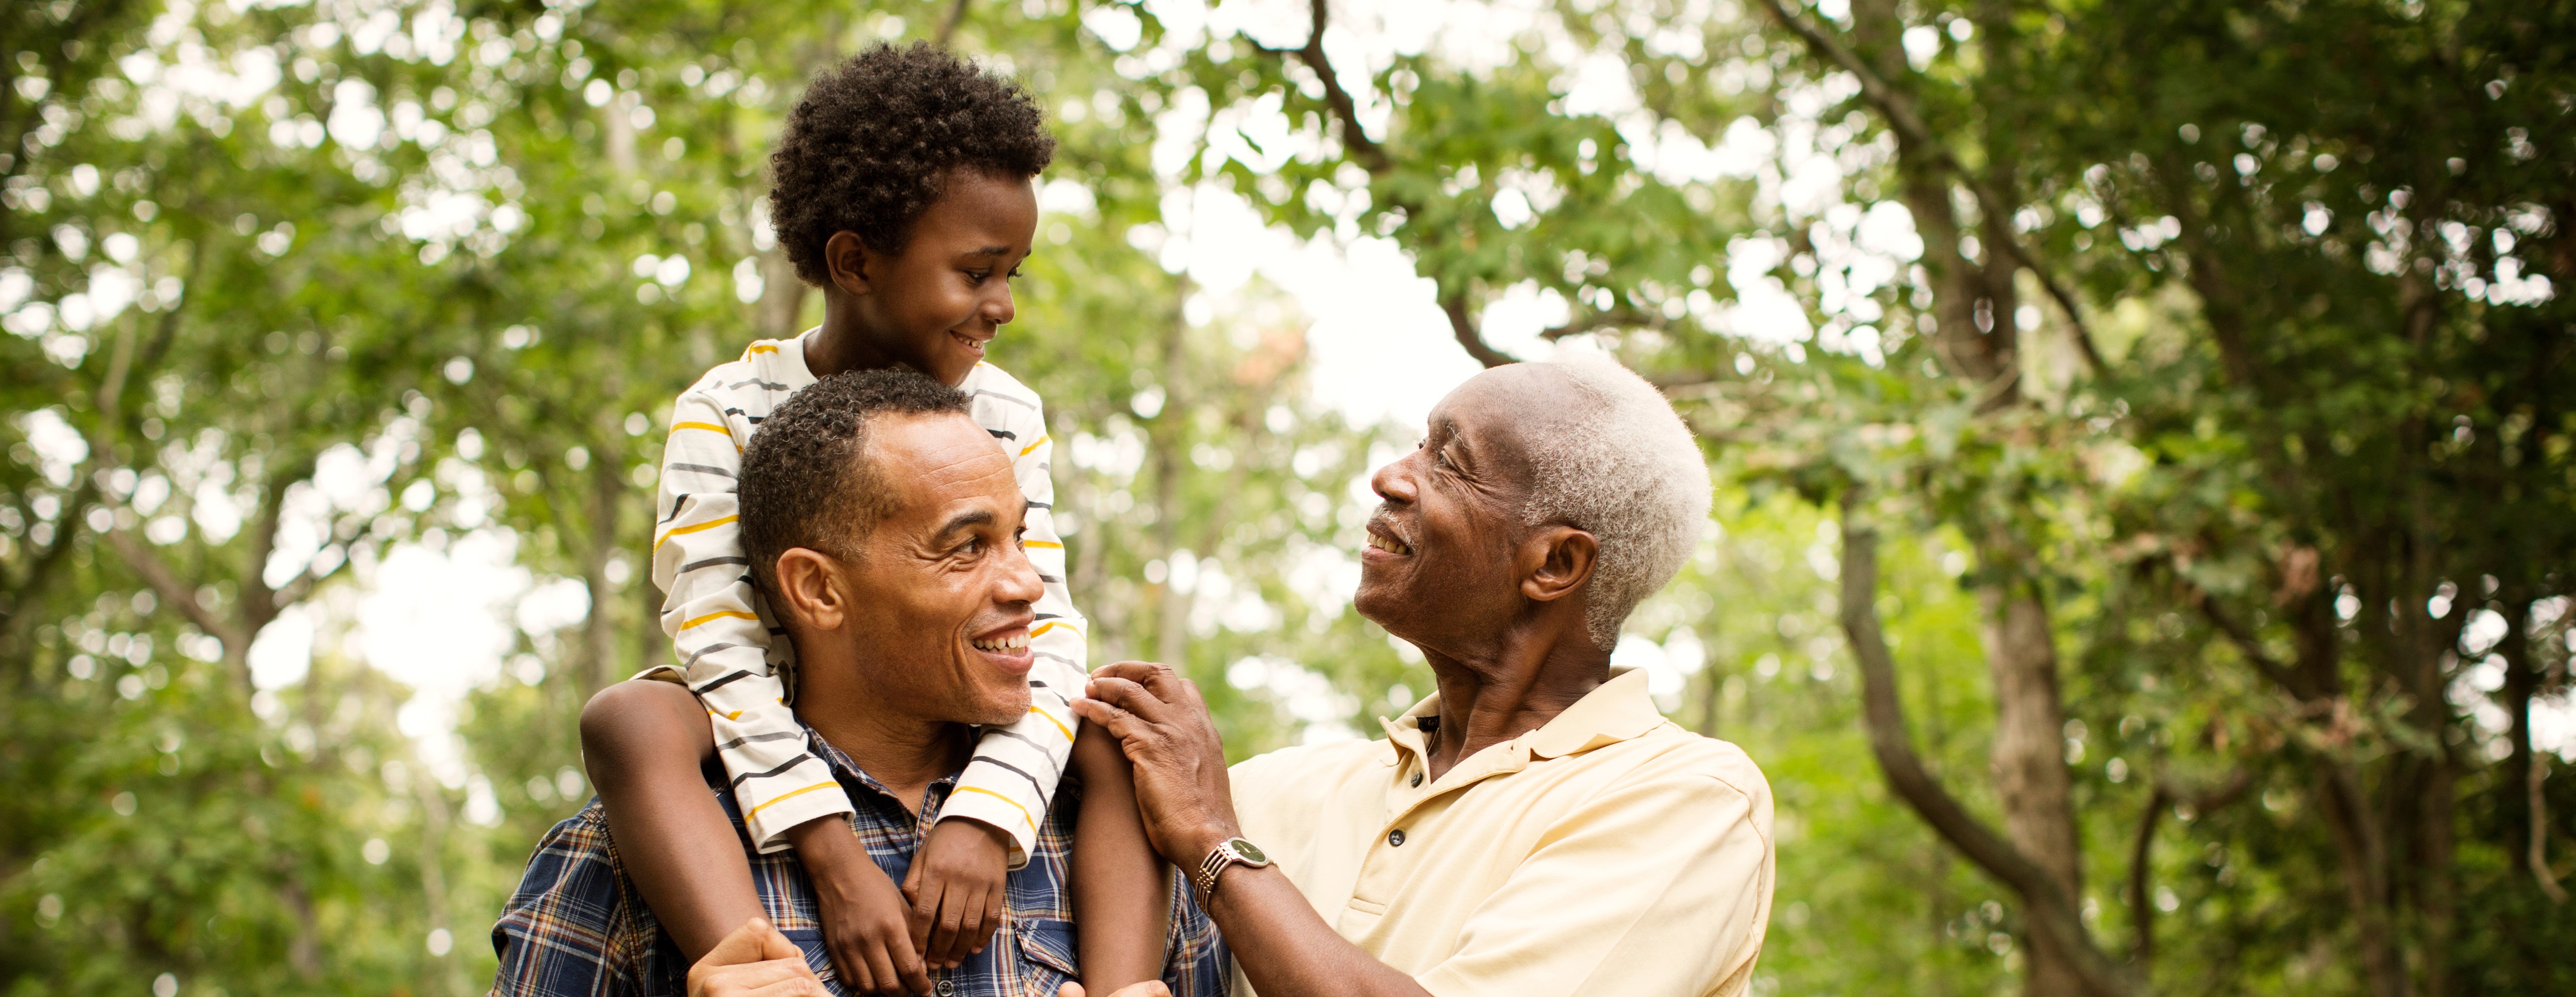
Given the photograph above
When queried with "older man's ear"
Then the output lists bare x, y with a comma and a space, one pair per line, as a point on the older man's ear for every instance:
1555, 561
810, 589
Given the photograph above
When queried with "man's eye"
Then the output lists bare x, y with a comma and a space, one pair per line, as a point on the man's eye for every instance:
1015, 273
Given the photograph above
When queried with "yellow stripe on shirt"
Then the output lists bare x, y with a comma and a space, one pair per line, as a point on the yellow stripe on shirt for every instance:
775, 800
1015, 805
1049, 625
693, 528
708, 426
1042, 441
718, 615
1048, 544
1059, 724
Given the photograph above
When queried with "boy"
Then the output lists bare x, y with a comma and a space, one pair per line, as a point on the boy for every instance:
902, 189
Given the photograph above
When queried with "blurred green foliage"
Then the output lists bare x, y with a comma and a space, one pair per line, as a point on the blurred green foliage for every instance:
296, 291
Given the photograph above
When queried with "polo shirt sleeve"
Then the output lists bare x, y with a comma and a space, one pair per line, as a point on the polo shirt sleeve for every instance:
1659, 885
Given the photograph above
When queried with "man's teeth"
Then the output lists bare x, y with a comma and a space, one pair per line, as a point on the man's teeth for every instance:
1002, 644
1388, 544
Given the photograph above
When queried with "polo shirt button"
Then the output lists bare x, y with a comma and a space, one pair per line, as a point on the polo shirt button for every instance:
1395, 837
1417, 778
947, 988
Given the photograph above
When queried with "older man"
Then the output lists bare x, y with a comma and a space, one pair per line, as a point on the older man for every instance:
884, 525
1534, 828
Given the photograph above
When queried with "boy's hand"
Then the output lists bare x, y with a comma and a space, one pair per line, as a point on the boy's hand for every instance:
956, 889
863, 913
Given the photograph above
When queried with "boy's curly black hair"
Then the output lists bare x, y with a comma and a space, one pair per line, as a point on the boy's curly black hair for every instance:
865, 149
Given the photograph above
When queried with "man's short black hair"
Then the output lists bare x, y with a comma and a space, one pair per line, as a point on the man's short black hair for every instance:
807, 477
865, 149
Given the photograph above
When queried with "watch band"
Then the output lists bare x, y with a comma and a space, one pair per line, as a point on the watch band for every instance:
1223, 855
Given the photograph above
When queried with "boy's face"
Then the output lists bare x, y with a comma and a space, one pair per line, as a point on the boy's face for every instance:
933, 306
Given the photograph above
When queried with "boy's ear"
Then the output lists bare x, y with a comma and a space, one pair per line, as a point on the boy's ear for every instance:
845, 259
809, 589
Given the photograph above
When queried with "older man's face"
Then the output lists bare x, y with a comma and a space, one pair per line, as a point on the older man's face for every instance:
943, 593
1441, 546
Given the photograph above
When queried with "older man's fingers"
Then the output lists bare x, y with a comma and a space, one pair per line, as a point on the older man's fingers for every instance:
1162, 680
1132, 697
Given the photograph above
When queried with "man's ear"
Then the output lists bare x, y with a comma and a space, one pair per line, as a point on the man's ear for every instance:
846, 259
1555, 561
810, 591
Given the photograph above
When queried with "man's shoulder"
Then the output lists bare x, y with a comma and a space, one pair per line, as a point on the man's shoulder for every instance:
1672, 760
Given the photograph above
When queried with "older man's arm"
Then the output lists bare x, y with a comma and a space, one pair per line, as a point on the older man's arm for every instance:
1273, 933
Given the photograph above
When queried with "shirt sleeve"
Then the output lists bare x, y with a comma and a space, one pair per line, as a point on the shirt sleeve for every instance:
1661, 886
567, 929
1013, 776
720, 634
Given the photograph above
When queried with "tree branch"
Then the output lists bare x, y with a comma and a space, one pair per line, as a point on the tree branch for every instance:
1360, 149
1463, 326
2050, 910
175, 592
1591, 321
1355, 141
948, 25
1898, 109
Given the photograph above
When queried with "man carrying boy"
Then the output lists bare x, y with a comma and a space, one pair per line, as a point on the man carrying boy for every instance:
886, 527
901, 188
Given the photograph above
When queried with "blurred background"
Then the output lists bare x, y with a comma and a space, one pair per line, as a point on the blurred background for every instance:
2140, 429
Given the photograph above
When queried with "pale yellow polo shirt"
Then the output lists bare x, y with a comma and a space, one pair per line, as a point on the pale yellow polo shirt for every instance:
1608, 852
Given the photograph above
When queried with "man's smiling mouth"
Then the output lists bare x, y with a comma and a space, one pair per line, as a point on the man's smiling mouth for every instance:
1004, 644
1389, 544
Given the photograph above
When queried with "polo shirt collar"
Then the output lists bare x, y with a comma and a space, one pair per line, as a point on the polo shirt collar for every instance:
1617, 710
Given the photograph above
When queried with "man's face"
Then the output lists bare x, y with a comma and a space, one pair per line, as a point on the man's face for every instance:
934, 305
940, 589
1440, 559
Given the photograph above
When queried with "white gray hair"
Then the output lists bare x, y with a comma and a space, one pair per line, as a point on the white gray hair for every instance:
1626, 470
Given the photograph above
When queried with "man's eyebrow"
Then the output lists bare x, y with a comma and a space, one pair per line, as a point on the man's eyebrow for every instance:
965, 520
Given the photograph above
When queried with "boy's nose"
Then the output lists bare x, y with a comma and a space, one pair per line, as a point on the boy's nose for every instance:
999, 307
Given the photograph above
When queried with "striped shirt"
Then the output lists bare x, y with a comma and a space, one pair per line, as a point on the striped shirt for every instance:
729, 648
577, 927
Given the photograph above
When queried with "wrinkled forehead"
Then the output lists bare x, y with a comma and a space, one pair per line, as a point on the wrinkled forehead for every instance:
1501, 412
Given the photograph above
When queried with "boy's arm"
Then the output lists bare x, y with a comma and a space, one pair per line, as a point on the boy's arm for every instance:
1120, 896
712, 615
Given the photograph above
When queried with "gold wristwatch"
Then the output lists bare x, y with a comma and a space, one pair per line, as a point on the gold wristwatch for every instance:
1232, 851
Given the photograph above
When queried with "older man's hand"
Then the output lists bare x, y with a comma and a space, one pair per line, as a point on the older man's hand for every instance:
754, 961
1163, 725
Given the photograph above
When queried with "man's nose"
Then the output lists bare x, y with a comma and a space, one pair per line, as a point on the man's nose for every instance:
1020, 580
1393, 483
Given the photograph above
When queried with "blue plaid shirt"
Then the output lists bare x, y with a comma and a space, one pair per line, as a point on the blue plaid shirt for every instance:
577, 927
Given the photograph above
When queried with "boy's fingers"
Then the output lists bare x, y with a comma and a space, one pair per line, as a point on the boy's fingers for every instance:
968, 913
992, 920
915, 975
1069, 989
922, 918
881, 975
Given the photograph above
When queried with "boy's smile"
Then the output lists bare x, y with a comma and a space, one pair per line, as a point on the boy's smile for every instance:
934, 305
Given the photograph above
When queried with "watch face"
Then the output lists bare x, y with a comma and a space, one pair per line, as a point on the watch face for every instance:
1250, 852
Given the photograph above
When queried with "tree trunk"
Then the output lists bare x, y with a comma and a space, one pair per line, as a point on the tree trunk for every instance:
2029, 758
